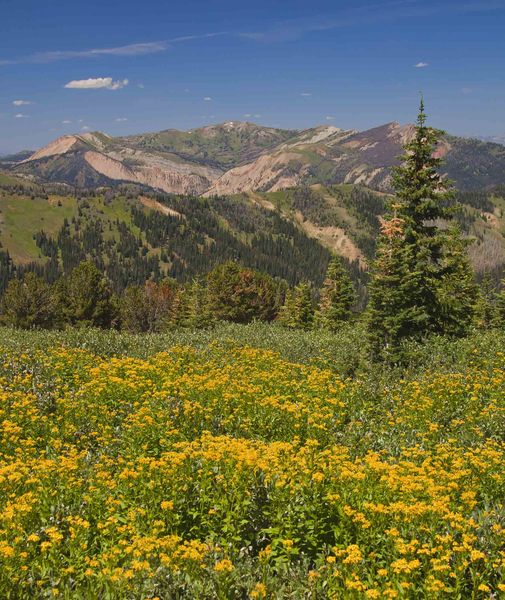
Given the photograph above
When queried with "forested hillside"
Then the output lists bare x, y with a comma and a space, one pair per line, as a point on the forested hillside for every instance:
132, 233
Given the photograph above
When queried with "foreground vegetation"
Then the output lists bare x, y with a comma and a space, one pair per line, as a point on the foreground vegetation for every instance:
137, 467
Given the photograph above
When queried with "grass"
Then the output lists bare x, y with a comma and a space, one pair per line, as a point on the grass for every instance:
22, 217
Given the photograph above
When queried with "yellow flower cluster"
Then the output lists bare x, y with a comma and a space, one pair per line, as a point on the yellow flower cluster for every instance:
122, 477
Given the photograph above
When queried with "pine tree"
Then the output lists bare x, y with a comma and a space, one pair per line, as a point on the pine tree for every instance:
500, 307
298, 309
459, 299
422, 282
239, 294
85, 297
198, 313
336, 298
393, 312
178, 312
287, 310
487, 309
29, 303
134, 312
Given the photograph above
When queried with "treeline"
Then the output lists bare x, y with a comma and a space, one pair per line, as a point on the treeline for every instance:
229, 292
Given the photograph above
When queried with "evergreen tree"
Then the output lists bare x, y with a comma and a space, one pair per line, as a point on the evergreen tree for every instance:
500, 307
198, 313
459, 299
178, 314
29, 303
418, 262
86, 298
393, 312
239, 294
336, 298
488, 310
286, 312
134, 312
298, 309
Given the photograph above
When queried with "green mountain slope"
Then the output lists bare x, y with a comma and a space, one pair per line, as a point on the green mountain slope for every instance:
222, 146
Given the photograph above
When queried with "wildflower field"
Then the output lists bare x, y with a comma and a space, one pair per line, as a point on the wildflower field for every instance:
229, 471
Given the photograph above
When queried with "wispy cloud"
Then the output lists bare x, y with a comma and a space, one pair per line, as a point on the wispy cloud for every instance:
207, 98
306, 94
200, 36
21, 102
95, 83
121, 119
66, 122
138, 49
20, 116
56, 55
378, 12
329, 118
421, 65
85, 128
466, 90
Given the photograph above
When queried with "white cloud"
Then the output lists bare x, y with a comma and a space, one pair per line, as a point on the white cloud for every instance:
96, 83
140, 85
257, 116
21, 102
329, 118
121, 119
21, 116
306, 94
207, 98
66, 122
85, 128
247, 115
421, 65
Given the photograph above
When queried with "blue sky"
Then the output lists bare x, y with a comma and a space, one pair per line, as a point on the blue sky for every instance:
130, 67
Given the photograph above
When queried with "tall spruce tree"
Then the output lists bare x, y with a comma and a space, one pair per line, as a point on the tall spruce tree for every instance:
394, 310
422, 281
336, 298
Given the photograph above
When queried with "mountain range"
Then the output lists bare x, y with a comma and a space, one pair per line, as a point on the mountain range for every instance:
236, 157
178, 202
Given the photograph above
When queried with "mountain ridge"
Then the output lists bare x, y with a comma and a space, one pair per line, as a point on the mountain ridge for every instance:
239, 156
